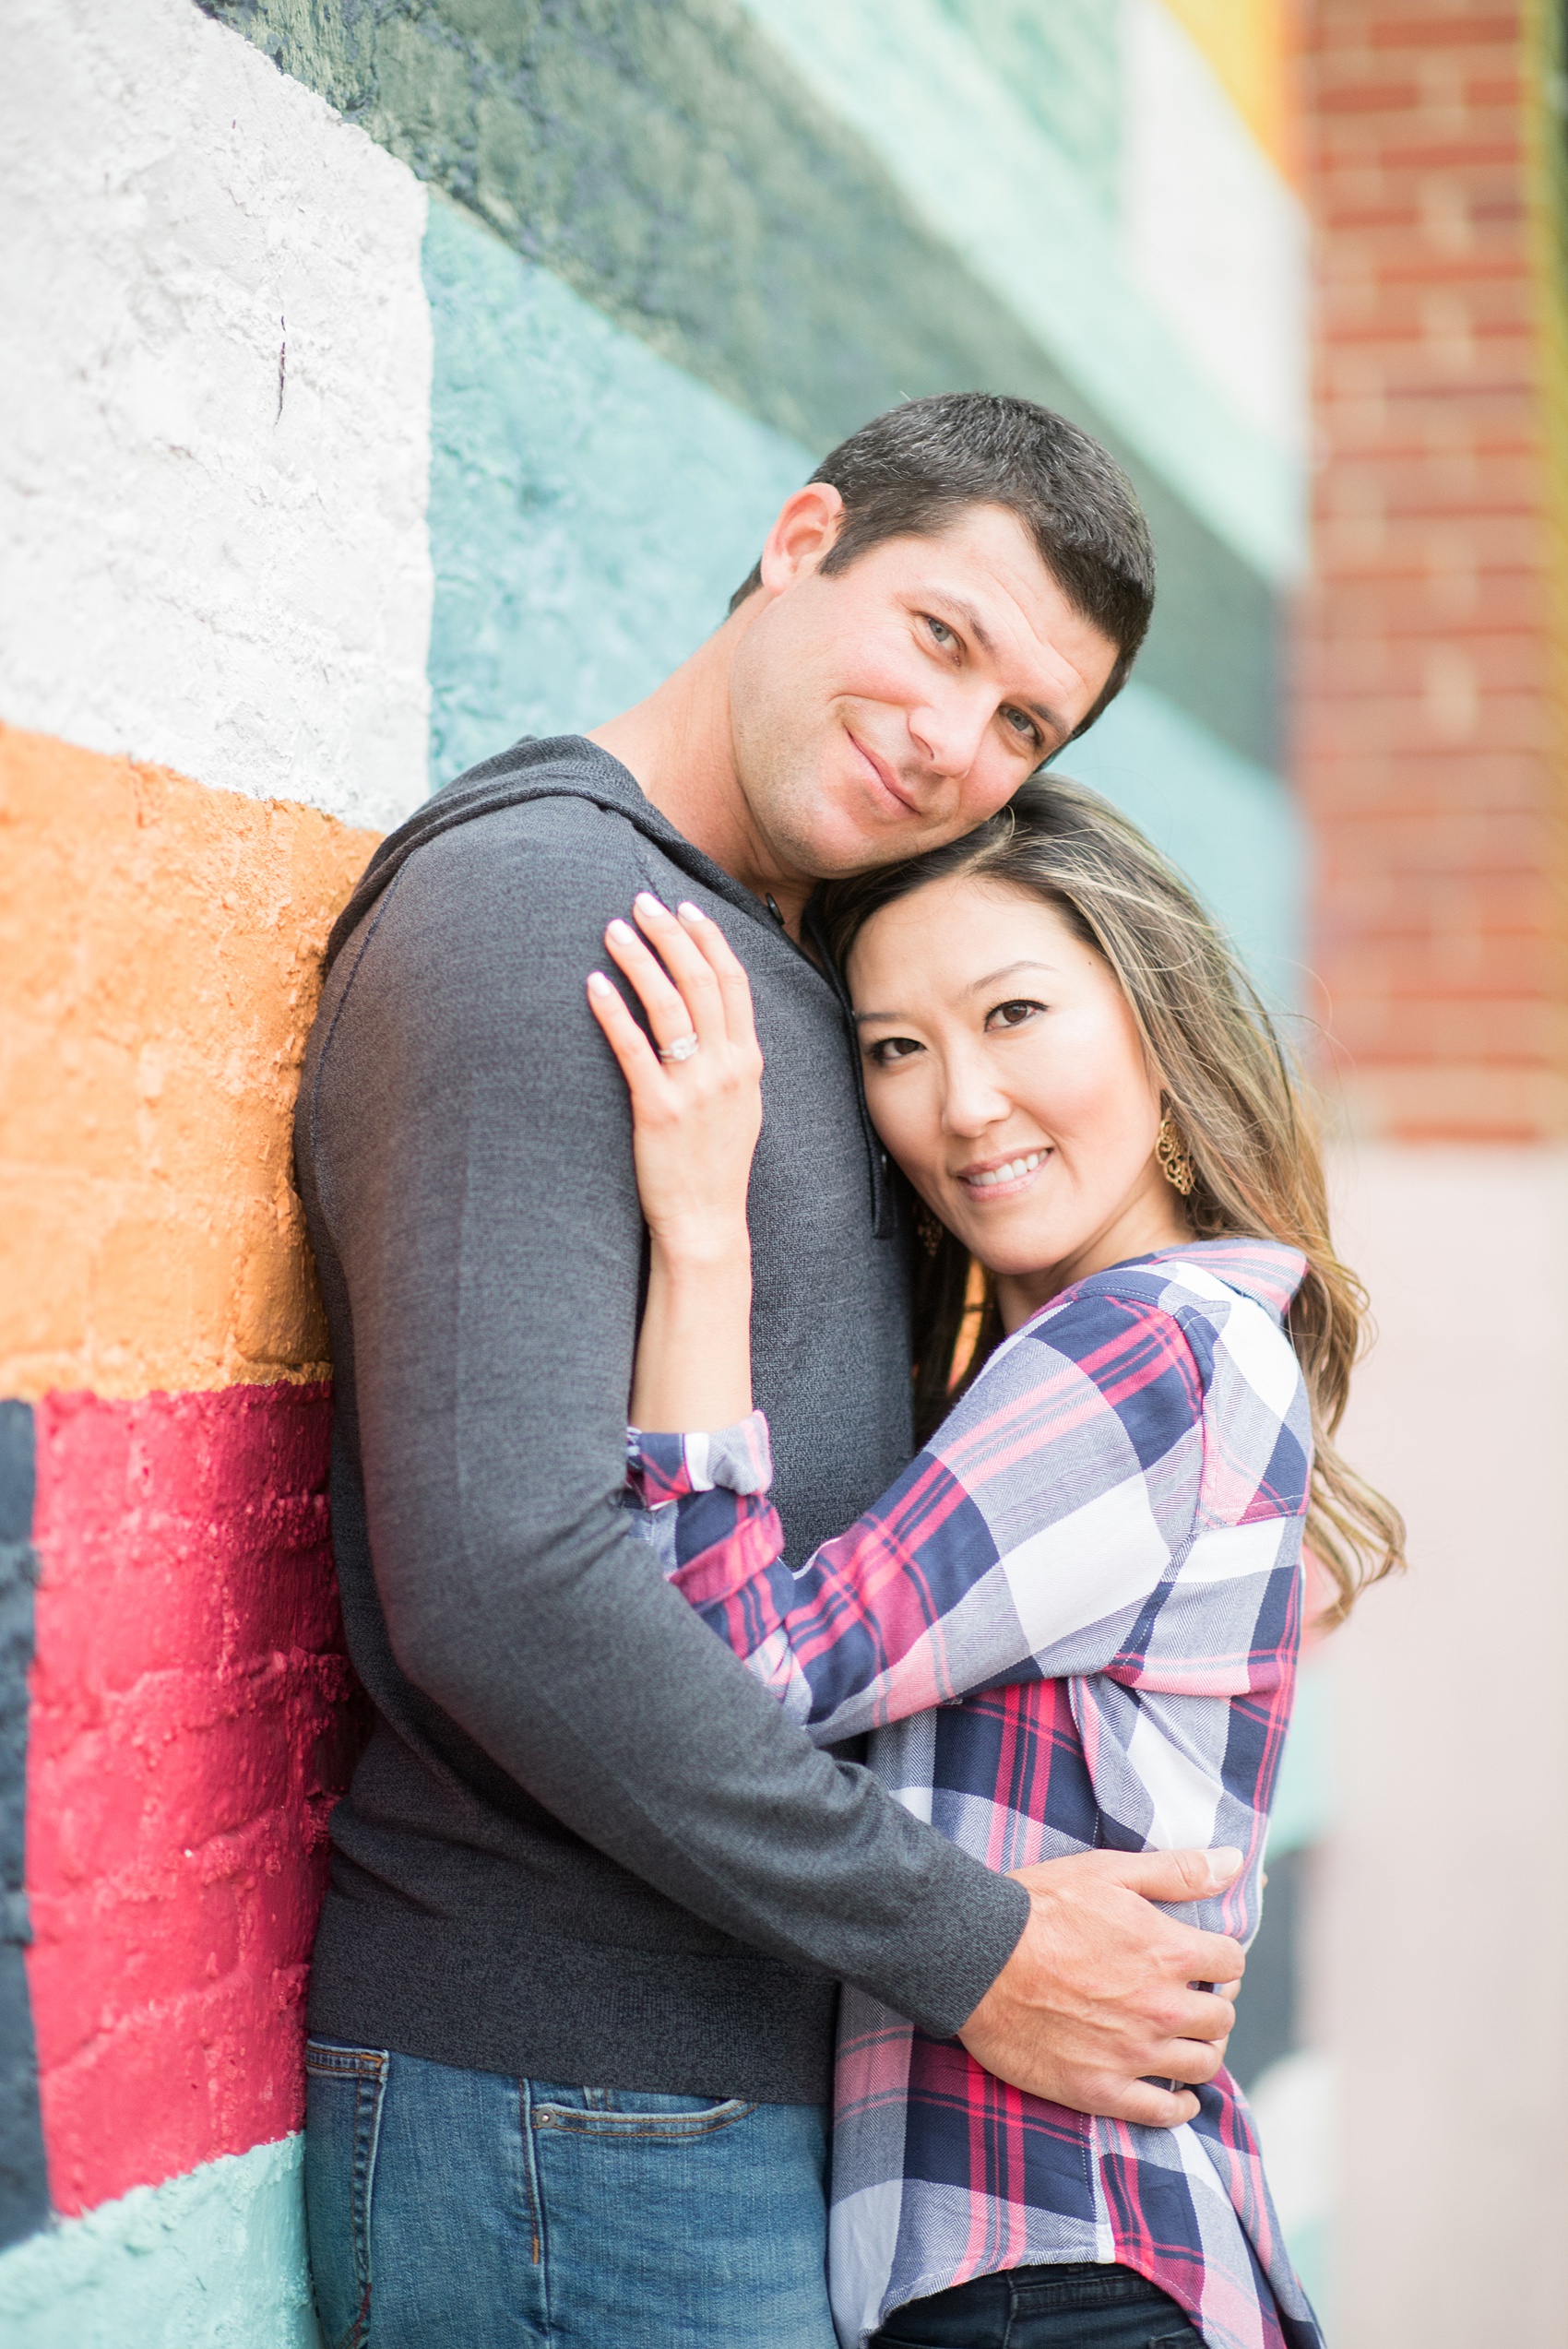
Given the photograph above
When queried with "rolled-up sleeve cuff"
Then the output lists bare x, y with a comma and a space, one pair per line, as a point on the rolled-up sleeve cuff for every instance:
660, 1468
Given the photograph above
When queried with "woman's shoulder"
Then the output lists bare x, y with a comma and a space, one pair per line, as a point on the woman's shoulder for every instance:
1202, 1310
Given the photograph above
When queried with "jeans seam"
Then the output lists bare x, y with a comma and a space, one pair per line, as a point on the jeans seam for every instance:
370, 2086
537, 2219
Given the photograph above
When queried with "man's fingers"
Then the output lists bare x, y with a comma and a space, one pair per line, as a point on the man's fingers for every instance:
1148, 2106
1170, 1876
1199, 2014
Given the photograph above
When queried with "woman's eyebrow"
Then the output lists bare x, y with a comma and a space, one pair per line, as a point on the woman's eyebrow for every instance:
974, 988
1006, 971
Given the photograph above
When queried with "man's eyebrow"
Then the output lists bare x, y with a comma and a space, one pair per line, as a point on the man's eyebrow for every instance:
1052, 720
974, 988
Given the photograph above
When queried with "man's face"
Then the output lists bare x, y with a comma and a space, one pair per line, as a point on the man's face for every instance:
889, 709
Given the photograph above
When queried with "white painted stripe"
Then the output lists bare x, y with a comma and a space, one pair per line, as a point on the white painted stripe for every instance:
984, 177
215, 2257
214, 414
1212, 235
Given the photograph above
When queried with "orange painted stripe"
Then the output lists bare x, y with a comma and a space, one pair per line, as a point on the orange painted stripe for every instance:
162, 943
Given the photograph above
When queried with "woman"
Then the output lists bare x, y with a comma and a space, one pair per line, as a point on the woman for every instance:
1073, 1620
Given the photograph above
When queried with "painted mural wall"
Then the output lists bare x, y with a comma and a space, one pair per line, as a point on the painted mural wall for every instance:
391, 381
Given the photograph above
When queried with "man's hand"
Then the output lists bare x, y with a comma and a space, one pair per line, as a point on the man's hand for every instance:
1098, 1993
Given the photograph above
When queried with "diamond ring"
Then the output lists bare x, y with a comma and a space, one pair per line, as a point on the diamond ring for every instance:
682, 1049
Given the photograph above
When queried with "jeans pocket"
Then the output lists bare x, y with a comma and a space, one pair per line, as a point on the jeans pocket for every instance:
344, 2090
629, 2118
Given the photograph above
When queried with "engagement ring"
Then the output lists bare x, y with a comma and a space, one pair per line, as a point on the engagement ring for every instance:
682, 1049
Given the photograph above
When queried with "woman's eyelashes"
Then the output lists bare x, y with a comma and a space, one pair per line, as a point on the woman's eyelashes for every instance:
890, 1049
1017, 1013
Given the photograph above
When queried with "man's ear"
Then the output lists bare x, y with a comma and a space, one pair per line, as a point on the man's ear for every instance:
804, 531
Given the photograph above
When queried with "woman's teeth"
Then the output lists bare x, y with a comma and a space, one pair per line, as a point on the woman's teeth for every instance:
1011, 1173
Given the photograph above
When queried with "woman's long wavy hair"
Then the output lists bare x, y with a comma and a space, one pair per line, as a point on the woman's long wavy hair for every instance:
1238, 1103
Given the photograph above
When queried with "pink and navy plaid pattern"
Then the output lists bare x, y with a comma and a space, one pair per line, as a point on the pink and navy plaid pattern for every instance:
1071, 1623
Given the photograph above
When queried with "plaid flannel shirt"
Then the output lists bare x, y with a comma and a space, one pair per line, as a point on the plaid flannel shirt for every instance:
1071, 1623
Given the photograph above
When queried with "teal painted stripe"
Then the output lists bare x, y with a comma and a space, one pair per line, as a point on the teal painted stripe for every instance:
1232, 826
215, 2259
591, 507
978, 169
1064, 62
664, 161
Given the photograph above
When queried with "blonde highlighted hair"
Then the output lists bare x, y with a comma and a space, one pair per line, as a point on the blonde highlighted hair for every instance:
1237, 1100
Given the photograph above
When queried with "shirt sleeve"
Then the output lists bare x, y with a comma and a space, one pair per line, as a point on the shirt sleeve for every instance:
1055, 1527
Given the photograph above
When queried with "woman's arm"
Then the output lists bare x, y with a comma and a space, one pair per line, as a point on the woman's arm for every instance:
1050, 1530
696, 1120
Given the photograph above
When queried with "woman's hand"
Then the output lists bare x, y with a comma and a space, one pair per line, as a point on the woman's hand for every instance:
696, 1121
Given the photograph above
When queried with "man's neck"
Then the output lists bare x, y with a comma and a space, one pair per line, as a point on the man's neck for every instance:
679, 745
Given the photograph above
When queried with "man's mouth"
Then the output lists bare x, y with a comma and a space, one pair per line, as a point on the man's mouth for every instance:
1008, 1174
885, 780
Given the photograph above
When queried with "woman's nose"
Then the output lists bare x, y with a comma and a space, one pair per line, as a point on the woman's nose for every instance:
972, 1101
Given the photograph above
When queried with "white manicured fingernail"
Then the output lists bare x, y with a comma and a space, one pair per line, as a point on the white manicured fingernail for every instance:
646, 903
598, 984
688, 912
622, 932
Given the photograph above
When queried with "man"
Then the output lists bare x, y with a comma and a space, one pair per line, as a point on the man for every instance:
592, 1892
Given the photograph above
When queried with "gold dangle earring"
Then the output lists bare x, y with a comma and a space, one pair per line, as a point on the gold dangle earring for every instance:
930, 1230
1174, 1164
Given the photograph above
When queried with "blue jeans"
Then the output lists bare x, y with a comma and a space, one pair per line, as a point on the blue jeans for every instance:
1053, 2307
461, 2210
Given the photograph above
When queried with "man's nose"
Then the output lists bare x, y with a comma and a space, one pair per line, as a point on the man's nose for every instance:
949, 731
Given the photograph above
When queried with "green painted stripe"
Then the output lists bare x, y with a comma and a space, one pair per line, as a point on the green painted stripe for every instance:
976, 169
216, 2258
1232, 827
664, 162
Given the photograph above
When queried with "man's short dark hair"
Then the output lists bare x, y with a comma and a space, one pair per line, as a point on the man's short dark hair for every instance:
912, 472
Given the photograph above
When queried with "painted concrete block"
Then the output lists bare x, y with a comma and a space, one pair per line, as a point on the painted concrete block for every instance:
193, 1722
213, 418
212, 2260
978, 169
592, 506
24, 2199
162, 945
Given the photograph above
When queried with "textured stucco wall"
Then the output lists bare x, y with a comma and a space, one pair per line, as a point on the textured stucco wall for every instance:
213, 430
162, 944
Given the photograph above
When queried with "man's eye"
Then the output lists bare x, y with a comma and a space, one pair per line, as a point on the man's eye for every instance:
940, 631
1022, 723
1012, 1014
889, 1048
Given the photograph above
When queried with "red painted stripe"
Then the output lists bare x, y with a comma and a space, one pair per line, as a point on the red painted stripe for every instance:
191, 1723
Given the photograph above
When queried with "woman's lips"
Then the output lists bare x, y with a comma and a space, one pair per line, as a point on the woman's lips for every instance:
1008, 1177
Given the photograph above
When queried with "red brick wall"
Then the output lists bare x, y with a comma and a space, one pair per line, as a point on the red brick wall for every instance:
1429, 738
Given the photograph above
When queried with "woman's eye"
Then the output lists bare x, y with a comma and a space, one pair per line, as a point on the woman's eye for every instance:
940, 631
1012, 1014
889, 1048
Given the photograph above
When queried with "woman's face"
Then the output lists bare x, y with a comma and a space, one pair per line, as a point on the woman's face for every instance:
1005, 1074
